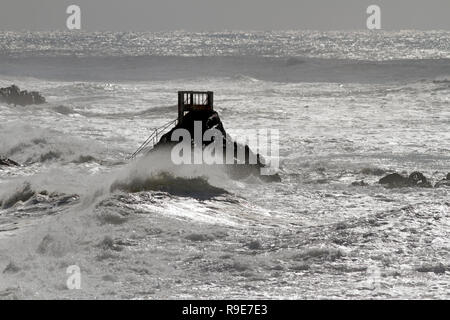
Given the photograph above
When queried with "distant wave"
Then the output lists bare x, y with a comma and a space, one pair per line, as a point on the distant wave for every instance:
241, 68
67, 110
442, 79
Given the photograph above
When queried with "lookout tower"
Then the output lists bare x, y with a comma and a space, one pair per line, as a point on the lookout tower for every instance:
194, 101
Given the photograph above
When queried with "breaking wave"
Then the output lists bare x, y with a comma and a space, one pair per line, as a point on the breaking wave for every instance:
26, 193
196, 187
251, 68
40, 145
21, 194
67, 110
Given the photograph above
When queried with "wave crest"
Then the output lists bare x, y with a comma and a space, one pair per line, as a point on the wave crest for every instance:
196, 187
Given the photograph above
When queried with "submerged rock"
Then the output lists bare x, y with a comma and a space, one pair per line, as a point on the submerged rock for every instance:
255, 245
437, 269
415, 179
361, 183
13, 95
373, 171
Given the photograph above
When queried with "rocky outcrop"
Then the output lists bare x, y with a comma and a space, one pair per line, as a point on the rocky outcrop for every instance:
444, 182
8, 162
415, 179
13, 95
210, 120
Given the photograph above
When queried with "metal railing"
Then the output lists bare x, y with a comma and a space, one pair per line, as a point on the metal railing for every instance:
152, 139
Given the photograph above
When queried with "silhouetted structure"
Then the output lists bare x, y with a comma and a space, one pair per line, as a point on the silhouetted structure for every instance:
194, 101
197, 107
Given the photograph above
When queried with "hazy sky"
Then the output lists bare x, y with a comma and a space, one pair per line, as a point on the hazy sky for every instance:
198, 15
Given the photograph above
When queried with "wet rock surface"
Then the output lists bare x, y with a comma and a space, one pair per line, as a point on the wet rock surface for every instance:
415, 179
13, 95
8, 162
444, 182
210, 120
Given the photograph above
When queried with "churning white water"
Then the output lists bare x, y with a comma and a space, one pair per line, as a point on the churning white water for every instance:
350, 107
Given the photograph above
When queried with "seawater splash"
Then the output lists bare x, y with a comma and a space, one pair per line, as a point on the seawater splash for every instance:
61, 240
347, 117
30, 144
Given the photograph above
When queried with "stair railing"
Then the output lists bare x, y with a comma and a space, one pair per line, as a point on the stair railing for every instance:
150, 142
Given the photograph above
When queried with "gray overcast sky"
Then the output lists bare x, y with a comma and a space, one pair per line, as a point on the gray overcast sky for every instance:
204, 15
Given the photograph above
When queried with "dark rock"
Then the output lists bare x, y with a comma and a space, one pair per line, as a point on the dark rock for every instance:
437, 269
13, 95
8, 162
254, 245
394, 180
415, 179
444, 182
210, 120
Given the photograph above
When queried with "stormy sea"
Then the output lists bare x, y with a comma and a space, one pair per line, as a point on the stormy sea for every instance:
350, 107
